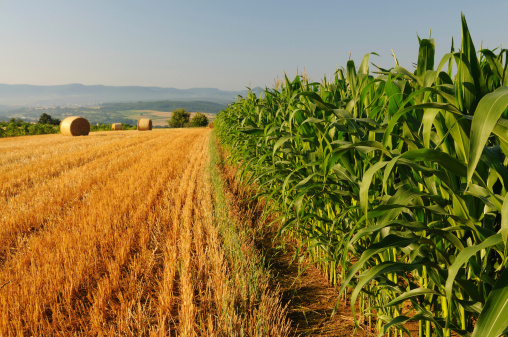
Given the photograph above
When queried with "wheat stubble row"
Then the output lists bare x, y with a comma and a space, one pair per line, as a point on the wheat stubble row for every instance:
115, 235
41, 204
52, 160
99, 262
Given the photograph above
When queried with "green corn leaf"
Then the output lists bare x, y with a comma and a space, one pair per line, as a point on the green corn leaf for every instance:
441, 174
428, 119
407, 74
425, 57
389, 241
397, 322
450, 163
342, 173
288, 178
462, 258
313, 120
504, 223
422, 315
412, 293
380, 269
429, 78
501, 129
458, 128
364, 66
395, 119
493, 157
365, 184
468, 71
252, 131
317, 100
493, 320
485, 118
488, 198
404, 195
280, 142
388, 171
369, 230
351, 77
447, 58
450, 63
495, 63
505, 74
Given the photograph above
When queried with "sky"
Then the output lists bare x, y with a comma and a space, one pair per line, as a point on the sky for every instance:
226, 44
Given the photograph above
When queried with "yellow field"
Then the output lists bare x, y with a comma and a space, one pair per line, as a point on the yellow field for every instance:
114, 234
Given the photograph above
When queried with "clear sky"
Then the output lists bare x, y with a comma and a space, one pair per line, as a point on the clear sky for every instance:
224, 44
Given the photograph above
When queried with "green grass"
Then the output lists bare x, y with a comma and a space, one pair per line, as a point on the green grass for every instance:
253, 301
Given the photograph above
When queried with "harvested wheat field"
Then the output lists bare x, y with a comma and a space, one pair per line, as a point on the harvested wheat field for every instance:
119, 234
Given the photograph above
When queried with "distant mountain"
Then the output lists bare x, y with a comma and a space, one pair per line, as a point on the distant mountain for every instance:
72, 94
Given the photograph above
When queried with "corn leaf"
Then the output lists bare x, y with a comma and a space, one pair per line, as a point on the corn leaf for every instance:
485, 118
493, 320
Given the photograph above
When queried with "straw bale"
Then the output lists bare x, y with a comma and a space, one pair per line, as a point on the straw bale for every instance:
116, 126
144, 124
74, 126
210, 125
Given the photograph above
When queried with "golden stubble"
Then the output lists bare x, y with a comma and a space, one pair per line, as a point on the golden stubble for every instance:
112, 234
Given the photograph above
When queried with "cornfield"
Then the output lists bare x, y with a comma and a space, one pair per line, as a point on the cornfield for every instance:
394, 184
121, 234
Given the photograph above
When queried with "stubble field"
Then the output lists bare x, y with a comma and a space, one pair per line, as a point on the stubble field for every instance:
114, 234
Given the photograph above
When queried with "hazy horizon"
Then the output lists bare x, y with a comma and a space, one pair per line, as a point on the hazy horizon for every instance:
105, 85
228, 45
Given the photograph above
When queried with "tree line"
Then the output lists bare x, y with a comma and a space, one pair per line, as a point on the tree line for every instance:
49, 125
18, 127
181, 118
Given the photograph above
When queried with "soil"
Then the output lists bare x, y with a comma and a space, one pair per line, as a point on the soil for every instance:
310, 297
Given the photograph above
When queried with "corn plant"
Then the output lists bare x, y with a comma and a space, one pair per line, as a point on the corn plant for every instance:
394, 183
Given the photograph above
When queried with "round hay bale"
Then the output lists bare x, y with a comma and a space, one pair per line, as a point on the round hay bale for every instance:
144, 124
210, 125
116, 126
75, 126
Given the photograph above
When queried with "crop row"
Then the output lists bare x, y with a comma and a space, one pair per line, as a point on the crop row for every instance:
123, 234
395, 184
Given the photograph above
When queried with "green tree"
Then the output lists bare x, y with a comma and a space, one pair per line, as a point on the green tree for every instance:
199, 119
15, 122
179, 117
44, 119
47, 119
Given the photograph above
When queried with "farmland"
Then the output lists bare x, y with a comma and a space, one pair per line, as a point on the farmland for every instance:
119, 233
387, 186
107, 113
393, 182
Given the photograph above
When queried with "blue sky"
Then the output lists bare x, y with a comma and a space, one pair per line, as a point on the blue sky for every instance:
224, 44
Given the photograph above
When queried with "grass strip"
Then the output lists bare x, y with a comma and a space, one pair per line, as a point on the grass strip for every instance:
255, 309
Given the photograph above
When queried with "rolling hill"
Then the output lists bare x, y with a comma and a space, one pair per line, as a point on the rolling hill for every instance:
79, 94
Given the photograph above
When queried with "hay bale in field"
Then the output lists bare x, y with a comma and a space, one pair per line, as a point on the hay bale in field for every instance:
144, 124
116, 126
210, 125
75, 126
